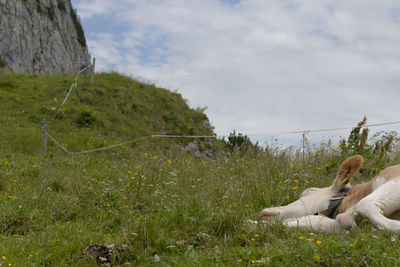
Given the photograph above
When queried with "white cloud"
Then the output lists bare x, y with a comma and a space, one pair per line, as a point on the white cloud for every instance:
88, 9
260, 66
106, 51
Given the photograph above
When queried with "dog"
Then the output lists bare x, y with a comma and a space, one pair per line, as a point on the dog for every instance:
340, 206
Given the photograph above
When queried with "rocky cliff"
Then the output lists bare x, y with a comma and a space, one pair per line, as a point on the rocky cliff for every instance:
41, 36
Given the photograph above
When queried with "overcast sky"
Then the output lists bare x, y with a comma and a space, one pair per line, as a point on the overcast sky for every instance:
259, 66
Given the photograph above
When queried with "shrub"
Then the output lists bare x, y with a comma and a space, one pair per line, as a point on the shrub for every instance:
134, 107
85, 119
61, 5
78, 27
358, 143
51, 12
3, 63
357, 140
38, 6
242, 143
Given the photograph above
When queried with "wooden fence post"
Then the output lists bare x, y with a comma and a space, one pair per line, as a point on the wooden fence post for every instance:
93, 69
44, 136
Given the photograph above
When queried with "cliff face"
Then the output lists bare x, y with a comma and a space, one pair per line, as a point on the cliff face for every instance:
41, 36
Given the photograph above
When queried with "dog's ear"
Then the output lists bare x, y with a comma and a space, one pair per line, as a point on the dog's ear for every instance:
346, 171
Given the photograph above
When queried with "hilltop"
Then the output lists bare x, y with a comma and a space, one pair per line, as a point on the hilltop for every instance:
115, 109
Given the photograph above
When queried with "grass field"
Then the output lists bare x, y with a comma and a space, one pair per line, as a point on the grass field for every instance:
167, 206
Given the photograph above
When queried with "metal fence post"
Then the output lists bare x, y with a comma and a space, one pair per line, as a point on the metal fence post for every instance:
44, 136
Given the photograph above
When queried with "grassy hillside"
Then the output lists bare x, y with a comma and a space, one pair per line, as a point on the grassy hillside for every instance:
167, 207
114, 110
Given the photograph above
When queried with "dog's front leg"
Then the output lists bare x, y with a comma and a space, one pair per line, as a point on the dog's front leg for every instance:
316, 223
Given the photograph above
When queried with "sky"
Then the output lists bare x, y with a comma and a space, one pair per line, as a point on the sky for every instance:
261, 67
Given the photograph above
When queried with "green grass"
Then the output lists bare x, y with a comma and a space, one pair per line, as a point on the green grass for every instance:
120, 109
154, 197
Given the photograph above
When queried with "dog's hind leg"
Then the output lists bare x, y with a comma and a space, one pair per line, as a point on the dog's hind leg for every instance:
380, 204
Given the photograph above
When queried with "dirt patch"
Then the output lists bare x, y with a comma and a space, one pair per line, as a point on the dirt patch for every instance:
103, 254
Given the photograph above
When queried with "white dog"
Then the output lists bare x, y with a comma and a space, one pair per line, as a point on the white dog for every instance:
339, 206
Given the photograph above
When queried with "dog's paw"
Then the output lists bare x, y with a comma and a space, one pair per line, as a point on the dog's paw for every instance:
346, 220
270, 214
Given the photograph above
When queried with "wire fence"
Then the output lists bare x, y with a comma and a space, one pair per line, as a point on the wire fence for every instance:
75, 85
207, 136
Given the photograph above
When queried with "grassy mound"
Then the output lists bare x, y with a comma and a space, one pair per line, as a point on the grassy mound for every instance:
115, 109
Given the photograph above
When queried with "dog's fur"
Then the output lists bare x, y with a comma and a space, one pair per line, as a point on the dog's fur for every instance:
377, 200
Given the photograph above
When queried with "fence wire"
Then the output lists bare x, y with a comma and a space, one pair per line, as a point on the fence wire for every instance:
75, 85
65, 100
209, 136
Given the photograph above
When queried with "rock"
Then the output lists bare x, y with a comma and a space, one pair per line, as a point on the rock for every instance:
41, 36
156, 257
194, 148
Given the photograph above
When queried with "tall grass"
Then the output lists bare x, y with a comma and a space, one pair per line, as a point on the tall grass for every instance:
187, 210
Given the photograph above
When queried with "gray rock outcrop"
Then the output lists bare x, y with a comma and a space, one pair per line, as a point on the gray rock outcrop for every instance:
41, 36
